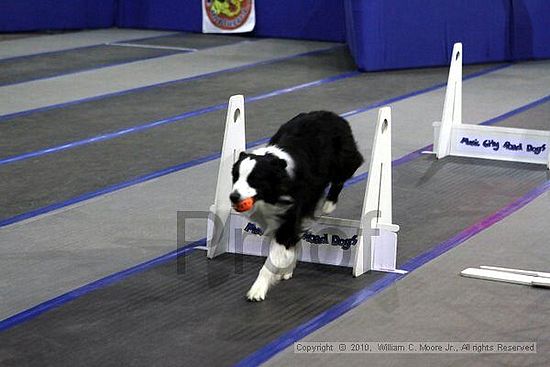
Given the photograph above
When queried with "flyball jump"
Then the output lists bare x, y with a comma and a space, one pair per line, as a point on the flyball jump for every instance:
452, 137
369, 243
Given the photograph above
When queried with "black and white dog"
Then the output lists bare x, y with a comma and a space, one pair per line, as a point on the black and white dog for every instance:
286, 182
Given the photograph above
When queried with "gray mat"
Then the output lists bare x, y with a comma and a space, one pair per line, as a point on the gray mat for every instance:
534, 118
120, 78
200, 316
435, 199
136, 224
435, 304
54, 41
84, 120
30, 184
113, 232
16, 36
64, 62
193, 40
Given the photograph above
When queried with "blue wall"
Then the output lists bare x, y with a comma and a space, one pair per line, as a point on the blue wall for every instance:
530, 29
160, 14
395, 34
382, 34
29, 15
302, 19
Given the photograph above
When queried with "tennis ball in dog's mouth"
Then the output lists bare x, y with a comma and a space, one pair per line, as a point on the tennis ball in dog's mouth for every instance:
244, 205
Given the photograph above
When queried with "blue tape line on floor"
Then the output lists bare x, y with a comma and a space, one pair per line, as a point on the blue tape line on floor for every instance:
3, 118
103, 282
332, 313
189, 164
169, 120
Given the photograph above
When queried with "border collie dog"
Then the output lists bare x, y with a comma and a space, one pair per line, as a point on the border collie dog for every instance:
286, 181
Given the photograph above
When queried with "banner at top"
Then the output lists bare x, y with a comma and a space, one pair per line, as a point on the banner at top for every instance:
228, 16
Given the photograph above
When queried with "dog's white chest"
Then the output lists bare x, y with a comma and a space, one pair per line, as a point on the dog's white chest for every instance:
266, 216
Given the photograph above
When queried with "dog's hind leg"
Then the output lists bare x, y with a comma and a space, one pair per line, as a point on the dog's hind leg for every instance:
332, 197
279, 265
347, 163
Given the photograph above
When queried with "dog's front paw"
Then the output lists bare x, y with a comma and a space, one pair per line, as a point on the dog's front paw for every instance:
286, 276
258, 290
329, 207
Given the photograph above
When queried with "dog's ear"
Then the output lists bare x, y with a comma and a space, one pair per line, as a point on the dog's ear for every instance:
276, 161
242, 155
279, 163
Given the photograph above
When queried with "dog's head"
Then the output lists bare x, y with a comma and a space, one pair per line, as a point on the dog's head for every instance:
260, 177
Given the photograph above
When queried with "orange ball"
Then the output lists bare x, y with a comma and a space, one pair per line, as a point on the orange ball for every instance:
244, 205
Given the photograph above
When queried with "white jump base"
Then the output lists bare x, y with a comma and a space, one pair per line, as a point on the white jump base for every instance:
369, 243
452, 137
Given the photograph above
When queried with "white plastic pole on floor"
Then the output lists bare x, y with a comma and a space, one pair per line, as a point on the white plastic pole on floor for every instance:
379, 251
452, 107
517, 271
506, 275
234, 142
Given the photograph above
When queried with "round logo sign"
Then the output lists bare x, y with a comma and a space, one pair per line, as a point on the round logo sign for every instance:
228, 14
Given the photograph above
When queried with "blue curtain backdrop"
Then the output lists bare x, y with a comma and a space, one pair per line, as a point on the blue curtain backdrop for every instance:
30, 15
160, 14
322, 20
395, 34
300, 19
382, 34
530, 29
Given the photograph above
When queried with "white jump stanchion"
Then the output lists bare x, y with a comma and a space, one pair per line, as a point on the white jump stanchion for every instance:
452, 137
452, 107
234, 142
366, 244
378, 251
